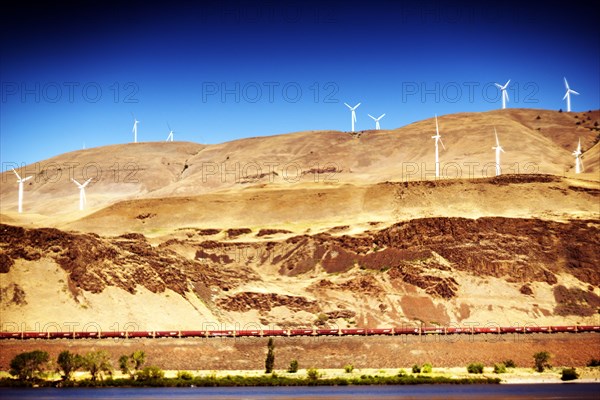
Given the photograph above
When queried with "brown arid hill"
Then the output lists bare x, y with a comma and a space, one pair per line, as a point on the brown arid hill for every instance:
312, 228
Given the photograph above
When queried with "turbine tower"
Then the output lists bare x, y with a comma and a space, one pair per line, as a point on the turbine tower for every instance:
438, 138
81, 187
377, 127
20, 198
134, 130
353, 113
170, 137
504, 93
498, 149
568, 95
578, 161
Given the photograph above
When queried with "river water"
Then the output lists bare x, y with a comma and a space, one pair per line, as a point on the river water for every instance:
447, 392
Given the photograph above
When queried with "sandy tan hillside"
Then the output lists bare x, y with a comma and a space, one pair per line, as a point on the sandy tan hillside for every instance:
313, 228
160, 170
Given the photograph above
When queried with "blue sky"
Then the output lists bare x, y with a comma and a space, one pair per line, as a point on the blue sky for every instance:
73, 74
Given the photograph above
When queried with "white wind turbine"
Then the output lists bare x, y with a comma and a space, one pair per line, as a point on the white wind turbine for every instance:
438, 138
353, 113
377, 127
81, 187
578, 161
568, 95
504, 93
134, 130
20, 198
498, 149
170, 137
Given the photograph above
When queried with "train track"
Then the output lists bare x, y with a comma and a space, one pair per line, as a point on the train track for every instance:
23, 335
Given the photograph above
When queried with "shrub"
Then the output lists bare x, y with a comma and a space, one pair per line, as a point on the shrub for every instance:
270, 360
541, 360
593, 363
427, 368
499, 368
569, 374
348, 368
509, 364
475, 368
313, 374
401, 373
416, 369
185, 375
29, 365
293, 367
150, 373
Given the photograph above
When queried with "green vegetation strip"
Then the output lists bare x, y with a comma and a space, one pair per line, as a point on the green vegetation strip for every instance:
236, 380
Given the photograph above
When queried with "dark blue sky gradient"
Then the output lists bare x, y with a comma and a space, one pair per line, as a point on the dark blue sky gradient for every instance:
400, 58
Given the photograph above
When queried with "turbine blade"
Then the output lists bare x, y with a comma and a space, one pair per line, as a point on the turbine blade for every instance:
381, 116
442, 143
574, 92
497, 84
18, 176
76, 182
506, 84
566, 83
86, 182
347, 105
374, 119
437, 129
566, 95
356, 106
29, 177
506, 94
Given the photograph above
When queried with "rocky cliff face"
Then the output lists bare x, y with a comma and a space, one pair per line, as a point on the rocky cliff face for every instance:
422, 269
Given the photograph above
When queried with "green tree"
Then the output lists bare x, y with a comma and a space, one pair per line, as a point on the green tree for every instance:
499, 368
68, 363
29, 365
270, 360
293, 367
348, 368
427, 368
416, 369
97, 362
130, 364
541, 360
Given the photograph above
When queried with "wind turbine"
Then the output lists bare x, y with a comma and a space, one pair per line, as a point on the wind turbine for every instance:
568, 95
438, 138
353, 113
578, 161
170, 137
504, 93
20, 198
81, 187
134, 130
498, 149
377, 127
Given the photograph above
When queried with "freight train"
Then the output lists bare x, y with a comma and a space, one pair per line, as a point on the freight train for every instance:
299, 332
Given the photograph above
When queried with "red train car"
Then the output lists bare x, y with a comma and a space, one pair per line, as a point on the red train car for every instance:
379, 331
328, 332
570, 329
165, 334
193, 333
11, 335
61, 335
275, 332
353, 331
251, 333
87, 335
405, 330
301, 332
140, 334
221, 333
34, 335
114, 334
433, 330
